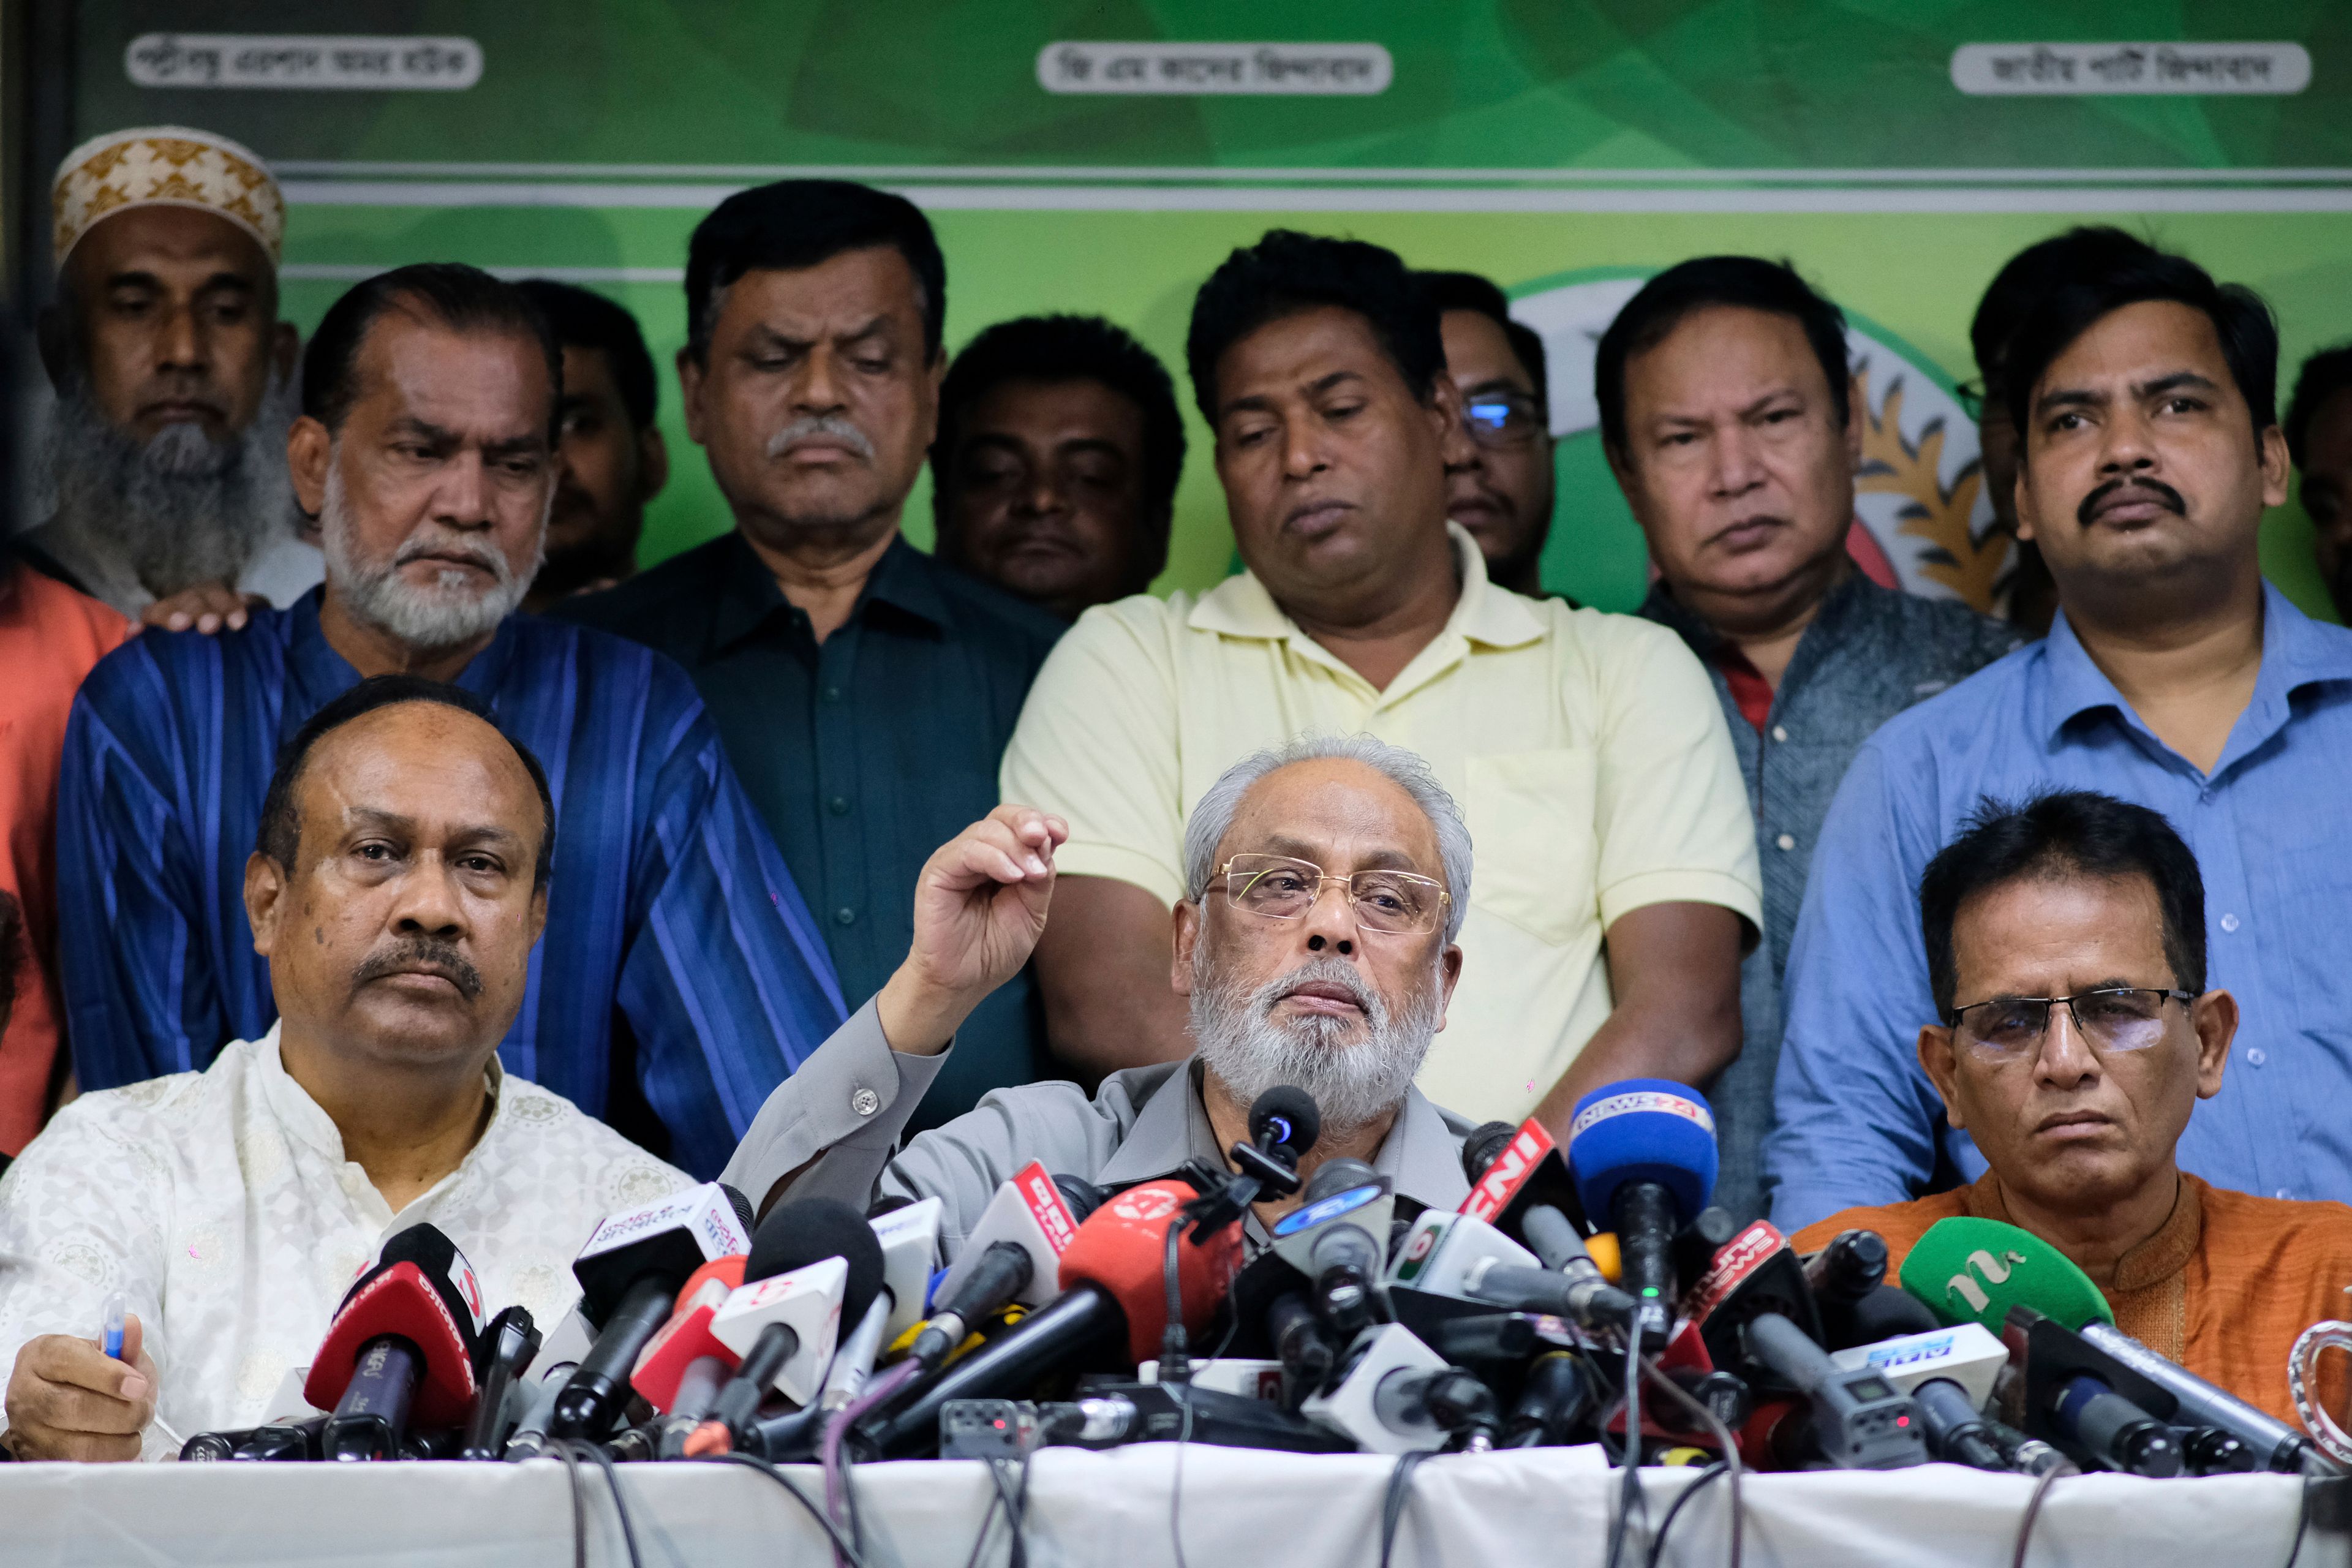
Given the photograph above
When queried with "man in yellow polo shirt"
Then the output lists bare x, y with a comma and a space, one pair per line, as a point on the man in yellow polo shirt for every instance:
1618, 882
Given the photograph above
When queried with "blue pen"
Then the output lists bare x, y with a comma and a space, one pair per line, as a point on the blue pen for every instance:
111, 1330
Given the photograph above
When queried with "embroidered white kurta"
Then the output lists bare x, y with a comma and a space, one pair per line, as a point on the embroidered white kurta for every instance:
220, 1204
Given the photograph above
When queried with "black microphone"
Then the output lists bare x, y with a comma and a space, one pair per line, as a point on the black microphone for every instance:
1334, 1239
1557, 1394
1306, 1351
630, 1271
511, 1338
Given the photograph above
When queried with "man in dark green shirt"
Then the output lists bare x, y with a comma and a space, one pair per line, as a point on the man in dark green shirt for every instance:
865, 691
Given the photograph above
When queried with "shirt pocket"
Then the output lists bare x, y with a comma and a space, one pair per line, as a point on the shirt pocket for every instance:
1531, 817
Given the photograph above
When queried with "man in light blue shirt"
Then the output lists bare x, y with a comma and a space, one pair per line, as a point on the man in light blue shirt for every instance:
2175, 677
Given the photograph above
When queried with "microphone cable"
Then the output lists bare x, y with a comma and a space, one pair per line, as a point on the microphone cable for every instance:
1630, 1495
841, 1547
838, 1496
572, 1451
1730, 1465
1400, 1494
2034, 1510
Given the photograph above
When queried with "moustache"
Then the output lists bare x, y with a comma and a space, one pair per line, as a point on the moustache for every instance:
419, 546
1320, 971
2164, 495
421, 956
831, 426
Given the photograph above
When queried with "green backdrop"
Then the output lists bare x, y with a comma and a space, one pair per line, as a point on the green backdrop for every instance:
1535, 140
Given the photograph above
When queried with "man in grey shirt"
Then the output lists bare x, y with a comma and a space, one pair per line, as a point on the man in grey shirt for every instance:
1326, 881
1734, 429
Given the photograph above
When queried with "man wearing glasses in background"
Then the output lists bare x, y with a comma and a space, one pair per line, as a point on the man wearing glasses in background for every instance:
1728, 415
2065, 946
1498, 487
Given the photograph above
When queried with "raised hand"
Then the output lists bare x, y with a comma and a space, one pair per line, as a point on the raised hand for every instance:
980, 906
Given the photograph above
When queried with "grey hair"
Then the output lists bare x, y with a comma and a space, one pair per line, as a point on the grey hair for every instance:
1213, 814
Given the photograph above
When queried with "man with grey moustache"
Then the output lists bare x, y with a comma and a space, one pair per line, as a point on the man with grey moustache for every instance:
681, 978
1326, 880
866, 691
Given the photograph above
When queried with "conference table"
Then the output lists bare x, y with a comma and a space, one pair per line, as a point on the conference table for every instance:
1231, 1509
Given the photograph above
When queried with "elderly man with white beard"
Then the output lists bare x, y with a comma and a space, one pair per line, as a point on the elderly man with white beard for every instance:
681, 977
1325, 885
175, 380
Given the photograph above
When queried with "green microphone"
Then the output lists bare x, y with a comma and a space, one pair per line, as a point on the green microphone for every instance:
1974, 1270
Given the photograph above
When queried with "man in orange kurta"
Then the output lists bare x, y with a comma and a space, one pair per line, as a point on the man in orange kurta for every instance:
49, 637
2076, 1105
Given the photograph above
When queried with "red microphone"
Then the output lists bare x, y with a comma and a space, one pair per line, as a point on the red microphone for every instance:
402, 1347
1111, 1312
686, 1337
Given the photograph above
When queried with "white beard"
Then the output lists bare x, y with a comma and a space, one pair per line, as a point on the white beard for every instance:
447, 614
1353, 1083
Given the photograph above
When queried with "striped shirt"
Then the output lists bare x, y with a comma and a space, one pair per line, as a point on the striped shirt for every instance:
679, 980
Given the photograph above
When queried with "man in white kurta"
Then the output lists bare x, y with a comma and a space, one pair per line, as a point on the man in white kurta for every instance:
221, 1206
397, 890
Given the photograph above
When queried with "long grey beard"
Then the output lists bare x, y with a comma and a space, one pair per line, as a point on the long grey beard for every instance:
447, 614
1354, 1083
180, 508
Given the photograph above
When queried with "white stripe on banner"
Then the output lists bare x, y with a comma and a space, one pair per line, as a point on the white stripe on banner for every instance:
291, 168
1220, 198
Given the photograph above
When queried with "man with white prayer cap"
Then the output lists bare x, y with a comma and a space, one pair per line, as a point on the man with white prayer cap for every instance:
176, 383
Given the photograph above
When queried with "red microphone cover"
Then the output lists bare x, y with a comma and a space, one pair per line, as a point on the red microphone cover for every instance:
423, 1291
688, 1335
1123, 1247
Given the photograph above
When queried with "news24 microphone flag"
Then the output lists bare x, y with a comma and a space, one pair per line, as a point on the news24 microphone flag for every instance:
1104, 162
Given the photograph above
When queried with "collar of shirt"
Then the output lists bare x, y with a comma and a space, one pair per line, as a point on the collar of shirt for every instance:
1484, 615
321, 674
1841, 612
1420, 1156
745, 594
2297, 652
303, 1119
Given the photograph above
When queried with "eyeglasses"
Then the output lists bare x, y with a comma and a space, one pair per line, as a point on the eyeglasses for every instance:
1281, 888
2117, 1019
1502, 419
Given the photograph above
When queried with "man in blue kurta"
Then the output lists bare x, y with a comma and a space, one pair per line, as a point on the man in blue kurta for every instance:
681, 977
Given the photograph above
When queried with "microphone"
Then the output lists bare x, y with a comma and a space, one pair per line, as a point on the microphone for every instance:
1949, 1375
1335, 1238
1114, 1301
1013, 1254
402, 1343
2094, 1410
813, 1261
1428, 1278
1860, 1421
685, 1338
1753, 1273
2272, 1443
529, 1439
1302, 1345
630, 1271
1380, 1401
1589, 1299
1556, 1394
1284, 1124
1511, 1168
1642, 1153
1850, 1266
511, 1340
1973, 1270
909, 1236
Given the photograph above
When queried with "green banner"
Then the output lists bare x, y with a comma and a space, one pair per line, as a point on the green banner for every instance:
1104, 157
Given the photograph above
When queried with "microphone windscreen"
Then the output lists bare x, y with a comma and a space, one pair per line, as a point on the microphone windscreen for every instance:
421, 1289
1643, 1130
1286, 1117
1123, 1247
1486, 1141
798, 1234
1969, 1270
740, 1204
